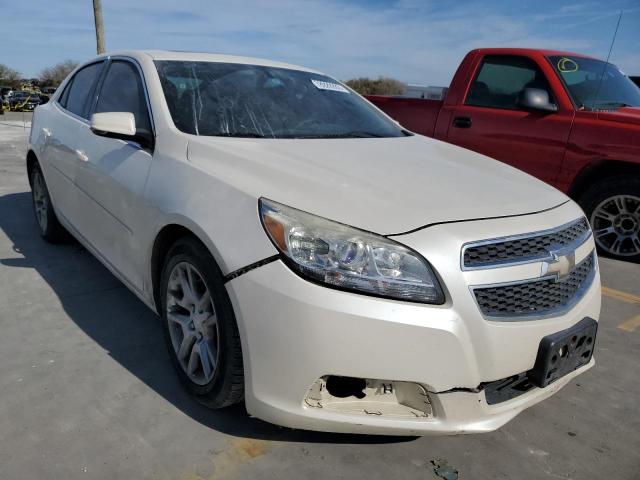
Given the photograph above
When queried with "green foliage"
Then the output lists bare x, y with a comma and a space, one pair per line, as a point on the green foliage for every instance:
53, 76
380, 86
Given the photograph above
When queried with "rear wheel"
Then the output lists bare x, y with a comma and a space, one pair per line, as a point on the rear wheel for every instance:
50, 228
613, 210
200, 327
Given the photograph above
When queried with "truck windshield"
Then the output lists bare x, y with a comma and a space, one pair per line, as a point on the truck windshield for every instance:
238, 100
582, 76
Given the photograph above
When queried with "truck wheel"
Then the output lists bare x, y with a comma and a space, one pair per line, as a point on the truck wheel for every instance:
199, 325
613, 209
50, 228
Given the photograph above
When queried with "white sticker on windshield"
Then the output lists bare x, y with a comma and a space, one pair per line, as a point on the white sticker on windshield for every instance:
335, 87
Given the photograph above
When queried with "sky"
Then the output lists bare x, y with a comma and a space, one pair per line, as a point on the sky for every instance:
415, 41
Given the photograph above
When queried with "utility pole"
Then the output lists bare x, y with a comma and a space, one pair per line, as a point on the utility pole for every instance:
97, 15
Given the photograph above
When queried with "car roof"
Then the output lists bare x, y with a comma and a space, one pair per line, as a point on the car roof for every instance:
206, 57
529, 51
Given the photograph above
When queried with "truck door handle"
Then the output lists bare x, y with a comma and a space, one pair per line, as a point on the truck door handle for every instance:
47, 132
462, 122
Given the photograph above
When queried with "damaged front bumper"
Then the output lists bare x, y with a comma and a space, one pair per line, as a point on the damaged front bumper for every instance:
423, 368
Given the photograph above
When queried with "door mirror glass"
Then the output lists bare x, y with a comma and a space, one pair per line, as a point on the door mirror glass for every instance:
114, 124
536, 99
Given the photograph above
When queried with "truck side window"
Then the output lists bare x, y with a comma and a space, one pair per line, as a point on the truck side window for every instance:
502, 78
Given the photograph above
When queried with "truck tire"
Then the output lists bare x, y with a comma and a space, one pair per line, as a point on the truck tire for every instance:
613, 209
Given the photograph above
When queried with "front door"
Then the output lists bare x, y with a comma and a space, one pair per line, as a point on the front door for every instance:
113, 173
489, 121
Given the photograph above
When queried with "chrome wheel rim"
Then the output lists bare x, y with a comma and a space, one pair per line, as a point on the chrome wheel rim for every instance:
616, 225
193, 323
40, 201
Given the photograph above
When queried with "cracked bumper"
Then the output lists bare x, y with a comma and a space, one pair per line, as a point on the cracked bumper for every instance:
295, 332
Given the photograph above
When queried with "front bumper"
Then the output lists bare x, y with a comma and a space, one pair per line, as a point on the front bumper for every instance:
294, 332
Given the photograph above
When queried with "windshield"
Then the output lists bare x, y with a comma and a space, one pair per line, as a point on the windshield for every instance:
582, 76
237, 100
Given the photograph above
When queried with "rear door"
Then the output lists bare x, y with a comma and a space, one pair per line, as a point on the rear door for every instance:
490, 122
113, 173
60, 134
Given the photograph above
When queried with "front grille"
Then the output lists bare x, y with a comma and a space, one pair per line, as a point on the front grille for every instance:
523, 248
535, 297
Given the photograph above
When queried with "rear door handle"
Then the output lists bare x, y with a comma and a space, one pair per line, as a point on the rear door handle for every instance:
47, 132
462, 122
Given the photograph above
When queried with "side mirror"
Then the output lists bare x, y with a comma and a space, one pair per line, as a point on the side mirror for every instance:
536, 99
120, 125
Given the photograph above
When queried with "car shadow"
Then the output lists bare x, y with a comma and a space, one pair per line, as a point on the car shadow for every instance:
126, 329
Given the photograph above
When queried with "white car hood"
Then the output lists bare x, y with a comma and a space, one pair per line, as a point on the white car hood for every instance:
383, 185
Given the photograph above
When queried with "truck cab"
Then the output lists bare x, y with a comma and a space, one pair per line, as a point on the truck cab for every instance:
568, 119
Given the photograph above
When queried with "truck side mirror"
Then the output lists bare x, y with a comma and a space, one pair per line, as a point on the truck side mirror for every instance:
536, 99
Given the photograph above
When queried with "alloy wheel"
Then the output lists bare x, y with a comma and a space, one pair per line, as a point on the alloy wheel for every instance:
40, 201
616, 225
193, 324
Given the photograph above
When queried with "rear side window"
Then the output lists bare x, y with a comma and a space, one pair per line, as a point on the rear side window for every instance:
80, 89
65, 94
501, 80
122, 91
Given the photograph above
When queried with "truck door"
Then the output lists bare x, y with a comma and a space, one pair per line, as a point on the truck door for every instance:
489, 120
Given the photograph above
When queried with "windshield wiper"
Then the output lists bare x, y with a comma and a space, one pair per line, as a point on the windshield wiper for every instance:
238, 135
613, 104
351, 134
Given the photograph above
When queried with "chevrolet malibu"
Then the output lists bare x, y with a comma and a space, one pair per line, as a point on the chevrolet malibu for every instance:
307, 254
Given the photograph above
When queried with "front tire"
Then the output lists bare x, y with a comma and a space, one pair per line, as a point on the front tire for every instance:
613, 209
199, 325
50, 228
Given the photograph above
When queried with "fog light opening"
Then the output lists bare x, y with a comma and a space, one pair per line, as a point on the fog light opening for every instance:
343, 387
368, 396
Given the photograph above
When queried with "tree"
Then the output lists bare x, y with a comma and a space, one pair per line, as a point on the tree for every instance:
381, 86
53, 76
9, 76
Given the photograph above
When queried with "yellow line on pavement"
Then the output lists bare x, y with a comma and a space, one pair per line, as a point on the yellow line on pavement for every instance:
631, 324
618, 295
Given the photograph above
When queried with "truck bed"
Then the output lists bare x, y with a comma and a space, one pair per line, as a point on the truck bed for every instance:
419, 115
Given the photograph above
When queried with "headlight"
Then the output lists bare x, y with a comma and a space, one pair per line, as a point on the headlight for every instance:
348, 258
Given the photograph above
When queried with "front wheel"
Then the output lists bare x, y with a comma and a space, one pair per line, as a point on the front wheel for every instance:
200, 327
613, 209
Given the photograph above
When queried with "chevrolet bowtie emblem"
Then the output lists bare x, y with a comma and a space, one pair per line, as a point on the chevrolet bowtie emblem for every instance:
560, 264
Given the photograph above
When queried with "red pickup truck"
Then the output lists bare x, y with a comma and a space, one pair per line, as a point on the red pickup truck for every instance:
568, 119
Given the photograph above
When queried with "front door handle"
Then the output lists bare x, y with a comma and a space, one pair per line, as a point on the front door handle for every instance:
82, 156
47, 132
462, 122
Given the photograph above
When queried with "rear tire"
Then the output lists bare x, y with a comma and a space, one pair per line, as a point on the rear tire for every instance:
613, 209
200, 327
50, 228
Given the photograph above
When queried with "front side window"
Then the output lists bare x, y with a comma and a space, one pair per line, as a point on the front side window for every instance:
122, 91
502, 79
594, 84
238, 100
80, 88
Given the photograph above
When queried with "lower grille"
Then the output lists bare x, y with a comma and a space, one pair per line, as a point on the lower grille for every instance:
536, 297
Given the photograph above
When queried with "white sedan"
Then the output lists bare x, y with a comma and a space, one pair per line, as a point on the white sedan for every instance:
309, 255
